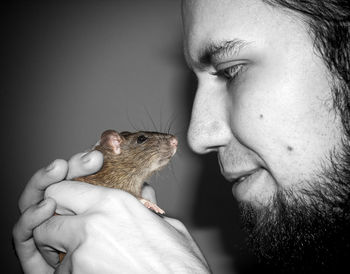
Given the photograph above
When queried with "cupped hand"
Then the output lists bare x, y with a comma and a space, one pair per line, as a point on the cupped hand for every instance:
104, 230
34, 210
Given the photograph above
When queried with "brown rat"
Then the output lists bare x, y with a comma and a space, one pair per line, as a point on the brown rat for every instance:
129, 159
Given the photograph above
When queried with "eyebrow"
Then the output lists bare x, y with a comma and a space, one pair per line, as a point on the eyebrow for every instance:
217, 50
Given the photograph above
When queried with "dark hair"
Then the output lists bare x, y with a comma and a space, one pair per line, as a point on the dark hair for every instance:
329, 26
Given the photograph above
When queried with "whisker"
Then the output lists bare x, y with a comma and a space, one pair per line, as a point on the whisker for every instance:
180, 132
149, 115
144, 128
160, 119
178, 153
171, 167
129, 120
172, 119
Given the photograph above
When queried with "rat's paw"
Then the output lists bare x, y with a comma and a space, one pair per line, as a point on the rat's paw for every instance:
152, 206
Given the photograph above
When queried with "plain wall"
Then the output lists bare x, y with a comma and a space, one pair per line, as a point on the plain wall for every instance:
75, 68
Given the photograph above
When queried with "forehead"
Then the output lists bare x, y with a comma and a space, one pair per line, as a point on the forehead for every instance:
214, 21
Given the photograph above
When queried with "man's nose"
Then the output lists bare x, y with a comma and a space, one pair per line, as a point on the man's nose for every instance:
209, 127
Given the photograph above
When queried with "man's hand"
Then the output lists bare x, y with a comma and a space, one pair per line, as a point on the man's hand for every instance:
104, 230
35, 210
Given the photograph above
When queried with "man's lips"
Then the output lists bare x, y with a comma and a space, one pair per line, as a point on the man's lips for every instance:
238, 177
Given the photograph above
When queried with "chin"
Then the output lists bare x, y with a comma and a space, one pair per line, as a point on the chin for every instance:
303, 230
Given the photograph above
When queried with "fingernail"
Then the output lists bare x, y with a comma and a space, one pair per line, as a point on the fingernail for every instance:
51, 166
86, 157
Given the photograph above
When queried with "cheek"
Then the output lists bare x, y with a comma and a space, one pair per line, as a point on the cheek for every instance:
286, 121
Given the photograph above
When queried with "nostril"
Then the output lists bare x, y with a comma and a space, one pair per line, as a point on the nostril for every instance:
173, 142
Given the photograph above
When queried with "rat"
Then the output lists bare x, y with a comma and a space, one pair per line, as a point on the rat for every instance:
129, 159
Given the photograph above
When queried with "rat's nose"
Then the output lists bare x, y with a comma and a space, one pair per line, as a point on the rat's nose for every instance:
173, 142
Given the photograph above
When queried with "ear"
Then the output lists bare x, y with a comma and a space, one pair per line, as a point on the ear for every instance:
110, 139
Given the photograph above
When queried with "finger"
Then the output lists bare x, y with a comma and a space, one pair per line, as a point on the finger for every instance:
55, 235
83, 164
148, 193
76, 197
23, 233
31, 218
50, 255
34, 190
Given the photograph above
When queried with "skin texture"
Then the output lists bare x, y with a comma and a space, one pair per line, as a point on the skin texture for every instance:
274, 119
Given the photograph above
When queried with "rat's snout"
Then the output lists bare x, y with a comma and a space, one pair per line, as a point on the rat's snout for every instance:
173, 141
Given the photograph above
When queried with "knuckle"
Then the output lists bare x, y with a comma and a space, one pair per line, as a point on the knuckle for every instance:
43, 178
37, 235
75, 159
117, 198
55, 172
51, 190
41, 232
108, 199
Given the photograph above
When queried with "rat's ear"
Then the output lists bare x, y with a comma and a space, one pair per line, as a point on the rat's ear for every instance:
110, 139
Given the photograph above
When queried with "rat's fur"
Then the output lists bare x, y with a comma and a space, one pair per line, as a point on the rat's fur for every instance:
135, 162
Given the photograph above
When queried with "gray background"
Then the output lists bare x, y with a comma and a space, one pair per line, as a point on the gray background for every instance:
74, 69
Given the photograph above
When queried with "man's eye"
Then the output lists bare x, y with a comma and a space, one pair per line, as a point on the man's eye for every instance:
230, 73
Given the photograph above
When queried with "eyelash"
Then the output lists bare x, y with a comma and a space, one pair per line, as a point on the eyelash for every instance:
229, 73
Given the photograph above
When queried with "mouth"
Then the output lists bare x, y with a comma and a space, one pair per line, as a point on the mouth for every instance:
239, 177
242, 178
249, 185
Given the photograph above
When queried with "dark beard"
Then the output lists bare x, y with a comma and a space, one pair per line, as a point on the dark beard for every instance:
305, 231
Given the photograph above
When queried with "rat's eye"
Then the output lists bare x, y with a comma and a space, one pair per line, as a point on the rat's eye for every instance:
141, 139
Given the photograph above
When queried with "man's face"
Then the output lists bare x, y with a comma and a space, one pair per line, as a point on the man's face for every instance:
263, 102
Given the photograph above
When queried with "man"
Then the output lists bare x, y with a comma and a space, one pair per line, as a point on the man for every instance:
272, 101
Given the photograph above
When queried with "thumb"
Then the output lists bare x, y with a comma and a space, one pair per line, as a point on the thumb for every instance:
149, 193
